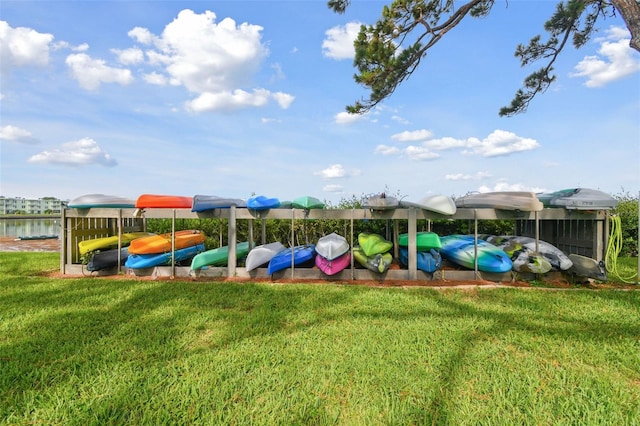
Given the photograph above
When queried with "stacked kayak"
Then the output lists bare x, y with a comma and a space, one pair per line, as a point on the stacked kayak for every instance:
461, 250
333, 254
428, 246
218, 256
307, 203
139, 261
293, 256
373, 253
107, 259
380, 202
106, 243
163, 243
155, 201
101, 201
262, 254
525, 258
203, 203
260, 202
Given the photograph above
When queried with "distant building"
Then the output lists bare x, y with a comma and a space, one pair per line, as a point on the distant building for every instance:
46, 205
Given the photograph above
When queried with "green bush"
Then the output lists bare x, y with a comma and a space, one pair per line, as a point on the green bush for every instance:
627, 211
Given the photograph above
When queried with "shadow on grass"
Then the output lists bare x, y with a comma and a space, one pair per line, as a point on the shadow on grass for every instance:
70, 328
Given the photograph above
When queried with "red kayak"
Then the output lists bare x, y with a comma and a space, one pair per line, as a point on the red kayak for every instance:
153, 201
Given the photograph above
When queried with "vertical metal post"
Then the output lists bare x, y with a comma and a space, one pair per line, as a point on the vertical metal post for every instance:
293, 243
412, 250
475, 243
353, 271
173, 244
63, 242
232, 241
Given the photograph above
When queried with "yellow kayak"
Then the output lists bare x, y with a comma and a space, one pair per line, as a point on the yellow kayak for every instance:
105, 243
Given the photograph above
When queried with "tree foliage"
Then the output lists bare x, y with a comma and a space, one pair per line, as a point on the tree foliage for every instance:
388, 52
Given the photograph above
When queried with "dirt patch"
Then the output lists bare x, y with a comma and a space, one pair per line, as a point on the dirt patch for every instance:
12, 243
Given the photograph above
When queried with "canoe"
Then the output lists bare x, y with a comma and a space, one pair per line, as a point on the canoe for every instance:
333, 266
37, 237
218, 256
138, 261
425, 241
460, 250
202, 203
332, 246
107, 259
578, 199
558, 260
524, 256
428, 260
380, 202
111, 242
284, 259
587, 267
372, 244
153, 201
502, 200
435, 203
162, 243
307, 203
260, 202
377, 263
101, 201
262, 254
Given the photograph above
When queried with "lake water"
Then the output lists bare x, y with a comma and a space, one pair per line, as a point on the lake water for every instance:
29, 227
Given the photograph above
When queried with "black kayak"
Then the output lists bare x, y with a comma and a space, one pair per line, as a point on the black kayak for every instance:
107, 259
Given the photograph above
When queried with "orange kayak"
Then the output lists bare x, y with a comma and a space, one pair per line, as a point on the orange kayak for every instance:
162, 243
153, 201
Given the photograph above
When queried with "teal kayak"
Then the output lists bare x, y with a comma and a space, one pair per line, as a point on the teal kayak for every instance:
218, 256
307, 203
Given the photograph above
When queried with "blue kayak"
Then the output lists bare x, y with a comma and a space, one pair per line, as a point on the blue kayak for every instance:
283, 260
138, 261
260, 202
428, 260
460, 249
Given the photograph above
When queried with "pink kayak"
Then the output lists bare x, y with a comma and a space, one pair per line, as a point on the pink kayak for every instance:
332, 267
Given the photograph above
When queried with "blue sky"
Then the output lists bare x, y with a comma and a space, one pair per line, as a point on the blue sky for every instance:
234, 98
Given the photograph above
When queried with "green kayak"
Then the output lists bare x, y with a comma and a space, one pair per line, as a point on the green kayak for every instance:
377, 263
425, 241
372, 244
307, 203
218, 256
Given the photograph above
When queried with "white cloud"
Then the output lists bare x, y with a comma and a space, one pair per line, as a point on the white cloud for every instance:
387, 150
332, 188
338, 43
442, 144
347, 118
156, 79
91, 73
501, 142
228, 101
334, 171
21, 47
11, 133
215, 60
283, 99
416, 135
505, 186
617, 60
75, 153
461, 176
131, 56
420, 153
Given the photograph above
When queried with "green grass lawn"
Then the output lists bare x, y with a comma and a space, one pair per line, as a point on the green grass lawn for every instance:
120, 351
